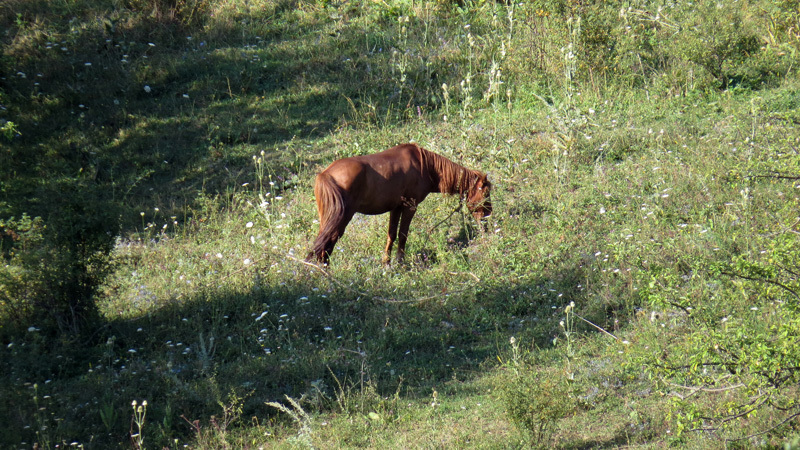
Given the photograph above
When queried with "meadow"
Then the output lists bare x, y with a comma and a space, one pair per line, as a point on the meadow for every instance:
636, 286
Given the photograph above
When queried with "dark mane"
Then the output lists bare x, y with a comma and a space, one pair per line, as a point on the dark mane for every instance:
449, 177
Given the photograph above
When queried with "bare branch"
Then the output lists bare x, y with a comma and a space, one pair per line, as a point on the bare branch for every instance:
797, 414
773, 282
712, 390
596, 326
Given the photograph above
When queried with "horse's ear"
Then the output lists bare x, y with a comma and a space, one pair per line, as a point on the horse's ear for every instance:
481, 181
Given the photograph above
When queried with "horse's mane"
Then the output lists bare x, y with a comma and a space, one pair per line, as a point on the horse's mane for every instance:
451, 178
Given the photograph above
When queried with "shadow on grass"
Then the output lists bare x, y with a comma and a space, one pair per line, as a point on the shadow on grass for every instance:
194, 358
619, 439
155, 112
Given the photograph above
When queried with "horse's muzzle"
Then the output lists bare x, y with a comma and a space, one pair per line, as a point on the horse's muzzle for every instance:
482, 210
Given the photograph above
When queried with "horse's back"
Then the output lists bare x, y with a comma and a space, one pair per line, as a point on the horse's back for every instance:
402, 151
393, 161
377, 183
343, 170
398, 161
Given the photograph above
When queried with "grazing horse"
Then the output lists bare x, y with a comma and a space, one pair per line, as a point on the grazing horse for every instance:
394, 181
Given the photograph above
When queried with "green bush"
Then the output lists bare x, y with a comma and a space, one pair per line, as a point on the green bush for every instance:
535, 401
739, 362
721, 40
20, 244
54, 266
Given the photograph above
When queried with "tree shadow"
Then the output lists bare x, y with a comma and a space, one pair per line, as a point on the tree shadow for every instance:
619, 439
194, 357
146, 109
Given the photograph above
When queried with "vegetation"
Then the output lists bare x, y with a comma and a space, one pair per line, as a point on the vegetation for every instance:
637, 284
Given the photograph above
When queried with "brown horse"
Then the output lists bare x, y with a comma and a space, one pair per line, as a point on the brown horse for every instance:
394, 181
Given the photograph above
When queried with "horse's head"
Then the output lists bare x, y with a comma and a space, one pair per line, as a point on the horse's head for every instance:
478, 201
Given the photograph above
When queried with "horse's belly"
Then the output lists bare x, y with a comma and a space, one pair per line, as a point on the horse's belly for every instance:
375, 206
374, 209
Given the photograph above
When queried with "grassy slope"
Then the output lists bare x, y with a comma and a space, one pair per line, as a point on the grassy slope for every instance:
610, 198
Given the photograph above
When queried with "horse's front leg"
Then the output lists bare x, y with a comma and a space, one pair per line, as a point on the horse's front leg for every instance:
405, 222
394, 219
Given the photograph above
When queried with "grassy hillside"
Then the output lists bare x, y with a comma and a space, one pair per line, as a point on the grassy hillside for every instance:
637, 284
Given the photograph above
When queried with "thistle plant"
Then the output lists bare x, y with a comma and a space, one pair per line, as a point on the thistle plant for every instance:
258, 162
435, 408
570, 57
300, 417
563, 142
515, 355
400, 58
139, 413
510, 12
568, 328
206, 353
492, 94
494, 91
446, 95
42, 432
264, 189
466, 98
566, 119
466, 83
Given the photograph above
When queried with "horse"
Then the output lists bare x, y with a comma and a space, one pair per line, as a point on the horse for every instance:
394, 181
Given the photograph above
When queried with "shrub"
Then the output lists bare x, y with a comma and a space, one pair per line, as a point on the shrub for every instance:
535, 401
720, 39
740, 363
55, 266
20, 241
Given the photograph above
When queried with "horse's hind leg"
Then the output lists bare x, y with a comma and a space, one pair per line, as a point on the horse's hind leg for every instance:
331, 241
319, 251
394, 219
405, 221
327, 238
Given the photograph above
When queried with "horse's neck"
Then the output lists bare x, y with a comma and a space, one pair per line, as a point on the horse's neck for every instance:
452, 178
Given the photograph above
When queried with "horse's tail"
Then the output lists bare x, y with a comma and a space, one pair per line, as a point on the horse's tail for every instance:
331, 208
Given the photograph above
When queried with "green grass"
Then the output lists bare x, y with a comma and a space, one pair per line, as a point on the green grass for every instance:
169, 149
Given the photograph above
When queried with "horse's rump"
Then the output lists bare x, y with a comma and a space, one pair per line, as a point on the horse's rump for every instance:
332, 210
